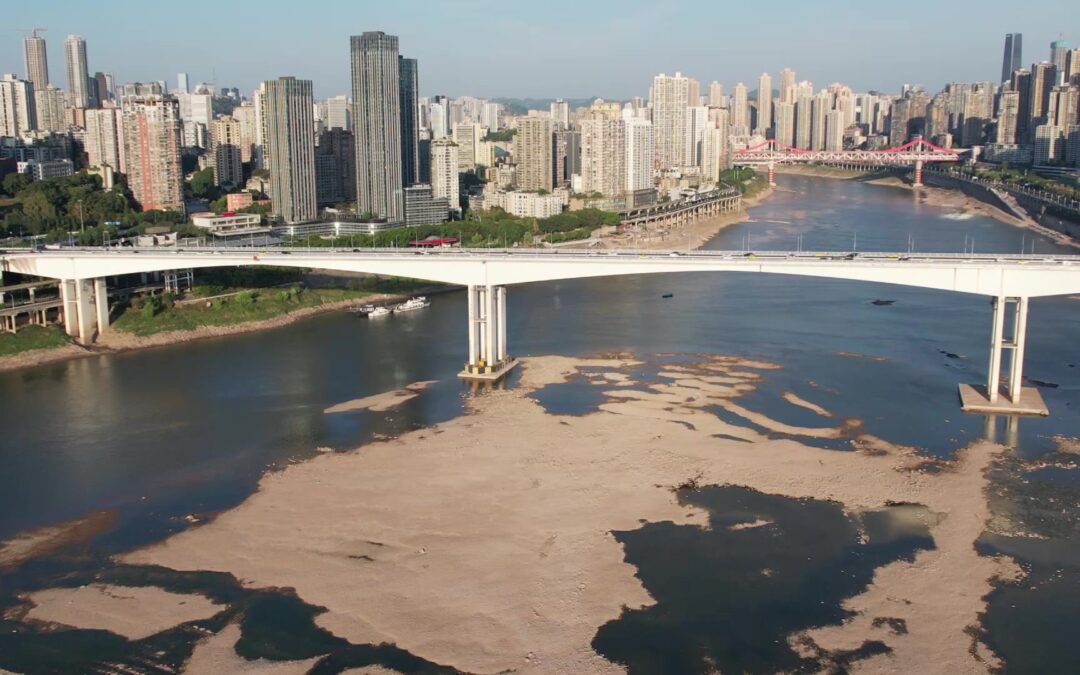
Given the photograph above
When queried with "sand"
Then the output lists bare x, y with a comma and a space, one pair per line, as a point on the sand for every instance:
795, 399
133, 612
487, 545
382, 402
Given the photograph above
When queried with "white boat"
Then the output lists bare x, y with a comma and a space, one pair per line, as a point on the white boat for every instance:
377, 312
418, 302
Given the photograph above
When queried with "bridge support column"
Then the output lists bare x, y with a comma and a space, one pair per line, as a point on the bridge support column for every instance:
772, 174
1008, 332
87, 319
488, 357
101, 304
918, 173
71, 307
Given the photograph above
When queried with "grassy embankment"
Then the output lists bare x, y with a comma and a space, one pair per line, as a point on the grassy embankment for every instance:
32, 337
250, 295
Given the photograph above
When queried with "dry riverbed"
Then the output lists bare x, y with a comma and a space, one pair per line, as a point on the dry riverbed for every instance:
492, 542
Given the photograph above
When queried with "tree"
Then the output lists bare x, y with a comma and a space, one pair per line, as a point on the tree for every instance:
14, 183
202, 184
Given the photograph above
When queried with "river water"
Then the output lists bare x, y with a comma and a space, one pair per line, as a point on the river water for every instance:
156, 435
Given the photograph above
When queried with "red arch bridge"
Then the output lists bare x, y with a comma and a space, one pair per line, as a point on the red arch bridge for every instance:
914, 153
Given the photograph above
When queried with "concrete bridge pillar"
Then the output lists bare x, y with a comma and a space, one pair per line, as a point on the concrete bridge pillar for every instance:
101, 304
71, 307
772, 174
488, 357
87, 319
1013, 341
918, 173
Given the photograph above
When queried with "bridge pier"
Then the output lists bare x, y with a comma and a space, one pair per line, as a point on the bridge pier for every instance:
85, 308
918, 173
1005, 335
772, 174
71, 307
488, 357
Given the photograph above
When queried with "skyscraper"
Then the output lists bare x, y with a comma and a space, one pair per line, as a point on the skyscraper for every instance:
1012, 58
668, 100
785, 123
764, 104
78, 75
532, 152
37, 64
339, 113
377, 115
1059, 56
603, 155
409, 92
104, 139
444, 171
1008, 114
560, 114
16, 106
225, 152
152, 151
49, 105
1043, 79
290, 146
740, 111
638, 160
716, 95
787, 85
182, 86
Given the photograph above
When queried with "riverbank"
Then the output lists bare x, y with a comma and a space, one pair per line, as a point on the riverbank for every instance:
691, 236
503, 556
115, 341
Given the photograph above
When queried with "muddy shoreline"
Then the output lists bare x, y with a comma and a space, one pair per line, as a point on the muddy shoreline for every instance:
115, 342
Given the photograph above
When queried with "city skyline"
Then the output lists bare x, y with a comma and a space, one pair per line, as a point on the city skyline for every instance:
721, 44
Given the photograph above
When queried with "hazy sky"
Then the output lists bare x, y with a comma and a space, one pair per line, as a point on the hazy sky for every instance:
546, 48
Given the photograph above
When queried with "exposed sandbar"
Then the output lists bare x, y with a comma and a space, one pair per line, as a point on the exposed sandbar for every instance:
134, 612
384, 401
487, 546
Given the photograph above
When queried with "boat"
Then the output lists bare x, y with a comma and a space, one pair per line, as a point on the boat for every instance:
668, 295
418, 302
377, 312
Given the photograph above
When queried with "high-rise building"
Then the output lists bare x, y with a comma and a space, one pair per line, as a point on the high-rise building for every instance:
1013, 57
37, 64
339, 113
1008, 115
740, 111
560, 114
1063, 108
603, 155
834, 130
225, 143
764, 105
787, 85
697, 118
489, 116
49, 105
408, 93
803, 119
821, 106
1059, 56
716, 95
532, 153
104, 140
467, 137
290, 147
1049, 144
337, 152
715, 149
785, 123
638, 161
244, 114
1043, 79
1021, 84
444, 171
102, 87
17, 106
152, 151
668, 100
376, 92
1072, 67
182, 85
78, 75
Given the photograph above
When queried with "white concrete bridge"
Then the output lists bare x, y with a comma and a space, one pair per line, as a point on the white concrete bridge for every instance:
1009, 279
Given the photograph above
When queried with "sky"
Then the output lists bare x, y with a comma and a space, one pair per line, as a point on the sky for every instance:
546, 48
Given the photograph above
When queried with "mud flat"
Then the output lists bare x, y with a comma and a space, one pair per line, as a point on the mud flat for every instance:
52, 539
382, 402
486, 543
134, 612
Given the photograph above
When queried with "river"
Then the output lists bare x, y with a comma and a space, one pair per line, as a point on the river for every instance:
157, 435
